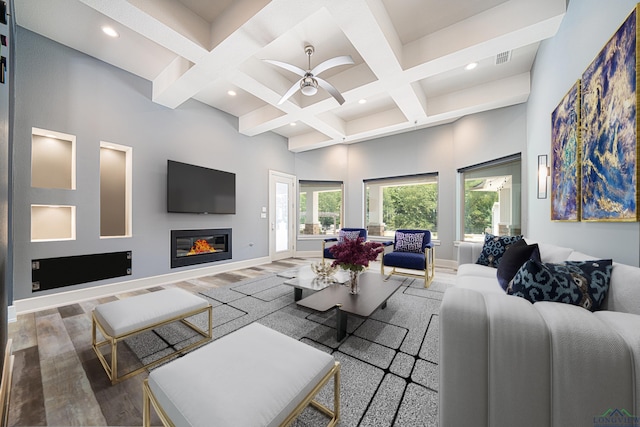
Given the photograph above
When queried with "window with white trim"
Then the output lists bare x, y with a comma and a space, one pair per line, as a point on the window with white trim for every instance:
404, 202
320, 207
490, 199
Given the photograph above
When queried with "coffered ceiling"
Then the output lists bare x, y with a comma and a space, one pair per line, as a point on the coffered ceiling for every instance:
409, 57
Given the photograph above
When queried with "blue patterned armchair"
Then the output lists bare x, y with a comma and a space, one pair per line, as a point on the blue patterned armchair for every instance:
412, 250
344, 233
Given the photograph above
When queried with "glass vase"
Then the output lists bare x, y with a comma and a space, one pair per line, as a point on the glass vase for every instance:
353, 281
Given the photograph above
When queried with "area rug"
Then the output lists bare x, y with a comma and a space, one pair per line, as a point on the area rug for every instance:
389, 373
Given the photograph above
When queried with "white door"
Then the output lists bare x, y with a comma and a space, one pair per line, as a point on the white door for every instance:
282, 218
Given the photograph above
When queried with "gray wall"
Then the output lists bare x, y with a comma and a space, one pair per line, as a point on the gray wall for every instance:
63, 90
471, 140
586, 27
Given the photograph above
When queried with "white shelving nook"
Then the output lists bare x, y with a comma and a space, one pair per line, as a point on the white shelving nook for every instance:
53, 159
53, 223
115, 190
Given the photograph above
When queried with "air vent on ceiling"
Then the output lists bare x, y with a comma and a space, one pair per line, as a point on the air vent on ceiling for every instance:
503, 57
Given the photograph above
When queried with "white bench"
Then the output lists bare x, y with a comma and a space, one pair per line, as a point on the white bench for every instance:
252, 377
118, 320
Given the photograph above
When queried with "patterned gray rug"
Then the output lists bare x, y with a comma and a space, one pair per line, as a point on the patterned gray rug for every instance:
389, 373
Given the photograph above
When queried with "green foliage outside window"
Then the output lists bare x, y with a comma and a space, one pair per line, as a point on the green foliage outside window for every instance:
329, 208
411, 206
478, 206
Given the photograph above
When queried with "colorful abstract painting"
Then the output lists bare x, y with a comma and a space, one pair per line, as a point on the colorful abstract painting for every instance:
565, 154
609, 139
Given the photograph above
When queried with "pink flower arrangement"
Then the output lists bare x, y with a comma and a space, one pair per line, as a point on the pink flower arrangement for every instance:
355, 254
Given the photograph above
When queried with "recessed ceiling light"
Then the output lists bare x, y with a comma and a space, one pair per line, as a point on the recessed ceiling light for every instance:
292, 124
231, 93
110, 31
362, 101
471, 66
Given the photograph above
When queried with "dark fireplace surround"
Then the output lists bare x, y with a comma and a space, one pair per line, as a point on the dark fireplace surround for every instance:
190, 247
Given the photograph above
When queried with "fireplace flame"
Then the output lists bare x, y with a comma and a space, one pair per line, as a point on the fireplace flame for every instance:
201, 246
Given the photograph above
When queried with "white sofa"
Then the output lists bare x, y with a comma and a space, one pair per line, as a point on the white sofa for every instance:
507, 362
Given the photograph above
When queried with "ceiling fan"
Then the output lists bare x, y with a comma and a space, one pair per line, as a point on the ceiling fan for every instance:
310, 81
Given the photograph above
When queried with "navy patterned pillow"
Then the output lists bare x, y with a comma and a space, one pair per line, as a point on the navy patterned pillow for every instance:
408, 242
493, 249
351, 235
582, 283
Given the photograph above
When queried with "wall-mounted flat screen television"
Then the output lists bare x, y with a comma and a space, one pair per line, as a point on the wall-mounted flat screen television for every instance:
196, 189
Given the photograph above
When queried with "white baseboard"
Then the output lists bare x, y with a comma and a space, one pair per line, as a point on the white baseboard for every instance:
11, 314
44, 302
447, 263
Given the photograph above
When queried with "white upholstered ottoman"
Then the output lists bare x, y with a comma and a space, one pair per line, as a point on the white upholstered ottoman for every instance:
252, 377
118, 320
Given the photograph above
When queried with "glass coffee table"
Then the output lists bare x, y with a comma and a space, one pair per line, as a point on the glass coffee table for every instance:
373, 294
304, 278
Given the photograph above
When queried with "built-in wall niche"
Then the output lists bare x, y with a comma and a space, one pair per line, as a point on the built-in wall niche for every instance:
115, 190
51, 222
53, 159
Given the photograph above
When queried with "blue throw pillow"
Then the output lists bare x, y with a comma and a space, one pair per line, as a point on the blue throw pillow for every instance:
408, 242
493, 249
513, 258
582, 283
351, 235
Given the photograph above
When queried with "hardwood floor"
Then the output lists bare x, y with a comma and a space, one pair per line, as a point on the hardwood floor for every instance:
57, 378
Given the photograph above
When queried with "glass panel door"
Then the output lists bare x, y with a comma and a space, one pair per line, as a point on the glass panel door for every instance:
281, 215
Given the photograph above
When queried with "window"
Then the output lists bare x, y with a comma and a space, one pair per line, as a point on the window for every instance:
491, 198
401, 202
320, 207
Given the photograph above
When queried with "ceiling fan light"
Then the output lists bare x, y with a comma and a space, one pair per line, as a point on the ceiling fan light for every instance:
308, 86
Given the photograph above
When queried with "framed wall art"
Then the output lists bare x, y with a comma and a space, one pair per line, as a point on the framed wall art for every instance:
609, 147
565, 155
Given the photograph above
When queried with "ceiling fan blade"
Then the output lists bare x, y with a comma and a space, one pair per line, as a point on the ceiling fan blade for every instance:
286, 66
330, 63
290, 92
329, 88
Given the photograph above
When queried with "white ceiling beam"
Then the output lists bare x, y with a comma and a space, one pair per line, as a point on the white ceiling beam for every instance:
372, 34
179, 18
411, 100
505, 27
129, 15
509, 91
379, 120
249, 38
309, 141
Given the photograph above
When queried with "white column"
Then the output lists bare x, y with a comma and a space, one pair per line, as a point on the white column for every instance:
375, 227
312, 221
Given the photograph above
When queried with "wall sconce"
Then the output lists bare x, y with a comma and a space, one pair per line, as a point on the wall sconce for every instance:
543, 173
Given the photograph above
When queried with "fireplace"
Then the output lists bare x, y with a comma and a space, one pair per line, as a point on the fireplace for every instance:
189, 247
